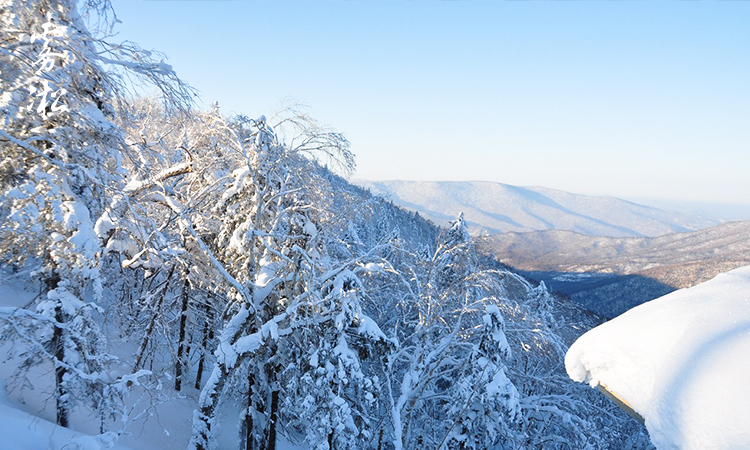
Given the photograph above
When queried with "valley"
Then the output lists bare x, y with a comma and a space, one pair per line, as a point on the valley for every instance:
611, 275
604, 253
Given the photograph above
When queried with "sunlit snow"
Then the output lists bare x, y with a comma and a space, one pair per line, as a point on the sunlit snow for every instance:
681, 361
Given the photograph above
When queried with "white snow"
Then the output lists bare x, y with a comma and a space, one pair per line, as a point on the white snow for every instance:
21, 431
369, 328
239, 176
681, 361
374, 268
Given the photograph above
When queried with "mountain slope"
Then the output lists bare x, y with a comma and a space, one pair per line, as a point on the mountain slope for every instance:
498, 208
611, 275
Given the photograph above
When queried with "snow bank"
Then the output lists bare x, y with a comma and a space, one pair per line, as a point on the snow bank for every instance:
681, 361
23, 431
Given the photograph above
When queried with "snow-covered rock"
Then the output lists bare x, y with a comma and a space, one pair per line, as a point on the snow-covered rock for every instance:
681, 361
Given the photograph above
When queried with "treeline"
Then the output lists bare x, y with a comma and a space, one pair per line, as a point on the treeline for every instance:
235, 261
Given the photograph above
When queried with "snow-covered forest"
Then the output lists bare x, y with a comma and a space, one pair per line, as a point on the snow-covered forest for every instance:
224, 263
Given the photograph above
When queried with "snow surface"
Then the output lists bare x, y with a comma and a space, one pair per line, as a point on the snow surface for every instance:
23, 431
681, 361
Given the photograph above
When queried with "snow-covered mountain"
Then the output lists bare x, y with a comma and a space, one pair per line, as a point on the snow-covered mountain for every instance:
498, 208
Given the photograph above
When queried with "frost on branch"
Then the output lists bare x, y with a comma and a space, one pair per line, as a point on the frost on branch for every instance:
60, 166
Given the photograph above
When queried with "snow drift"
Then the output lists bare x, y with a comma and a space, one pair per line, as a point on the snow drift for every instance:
680, 361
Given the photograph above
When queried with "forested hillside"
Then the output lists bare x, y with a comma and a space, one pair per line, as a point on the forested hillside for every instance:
611, 275
223, 262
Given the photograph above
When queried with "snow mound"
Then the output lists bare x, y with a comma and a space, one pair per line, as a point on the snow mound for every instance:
23, 431
681, 361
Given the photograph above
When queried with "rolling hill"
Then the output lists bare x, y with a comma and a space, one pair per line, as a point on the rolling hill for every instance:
493, 208
610, 275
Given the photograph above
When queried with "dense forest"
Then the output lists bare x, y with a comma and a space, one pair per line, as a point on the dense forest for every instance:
229, 255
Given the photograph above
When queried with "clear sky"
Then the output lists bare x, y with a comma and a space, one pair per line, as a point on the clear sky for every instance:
630, 99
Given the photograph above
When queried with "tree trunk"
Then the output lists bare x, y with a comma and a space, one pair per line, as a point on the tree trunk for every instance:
60, 370
207, 408
209, 398
152, 324
181, 343
247, 441
207, 335
272, 422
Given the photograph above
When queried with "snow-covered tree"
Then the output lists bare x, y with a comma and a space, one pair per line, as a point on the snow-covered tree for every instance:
486, 401
286, 293
328, 395
59, 164
449, 369
330, 315
177, 164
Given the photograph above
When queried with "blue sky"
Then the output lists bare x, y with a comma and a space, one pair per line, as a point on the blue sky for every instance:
631, 99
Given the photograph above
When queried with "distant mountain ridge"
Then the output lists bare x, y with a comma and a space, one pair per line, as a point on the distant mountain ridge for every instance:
610, 275
493, 208
566, 251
